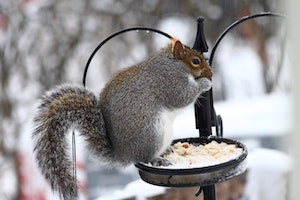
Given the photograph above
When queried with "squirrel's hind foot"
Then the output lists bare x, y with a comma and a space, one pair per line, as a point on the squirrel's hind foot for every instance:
169, 150
159, 161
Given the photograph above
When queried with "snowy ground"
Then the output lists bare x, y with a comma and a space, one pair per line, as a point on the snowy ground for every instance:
265, 115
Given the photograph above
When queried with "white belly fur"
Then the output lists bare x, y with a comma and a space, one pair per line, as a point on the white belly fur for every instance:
165, 127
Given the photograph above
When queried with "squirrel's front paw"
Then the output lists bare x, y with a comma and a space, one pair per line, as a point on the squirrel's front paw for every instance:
167, 151
205, 84
160, 162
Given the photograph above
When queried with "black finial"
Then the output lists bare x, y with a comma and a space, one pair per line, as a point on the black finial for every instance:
200, 41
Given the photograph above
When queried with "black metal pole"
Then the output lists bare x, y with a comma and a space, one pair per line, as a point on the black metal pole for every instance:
203, 115
204, 112
209, 192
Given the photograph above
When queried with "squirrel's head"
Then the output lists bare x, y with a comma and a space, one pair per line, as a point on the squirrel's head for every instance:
192, 59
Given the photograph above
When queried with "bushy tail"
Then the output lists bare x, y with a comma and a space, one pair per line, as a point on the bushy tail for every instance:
61, 109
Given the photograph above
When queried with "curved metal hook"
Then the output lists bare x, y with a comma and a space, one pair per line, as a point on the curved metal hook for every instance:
234, 24
113, 35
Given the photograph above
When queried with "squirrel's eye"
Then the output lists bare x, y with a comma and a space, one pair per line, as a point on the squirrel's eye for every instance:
196, 61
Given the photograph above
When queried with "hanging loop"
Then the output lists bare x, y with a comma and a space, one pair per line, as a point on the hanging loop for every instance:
234, 24
114, 35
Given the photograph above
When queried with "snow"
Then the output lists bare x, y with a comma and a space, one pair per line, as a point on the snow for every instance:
268, 175
138, 189
241, 68
8, 179
265, 115
261, 158
186, 33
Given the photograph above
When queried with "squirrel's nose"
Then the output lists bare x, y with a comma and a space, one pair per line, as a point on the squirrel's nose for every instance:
206, 73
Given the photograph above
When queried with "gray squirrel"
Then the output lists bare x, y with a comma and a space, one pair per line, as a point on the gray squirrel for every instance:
131, 121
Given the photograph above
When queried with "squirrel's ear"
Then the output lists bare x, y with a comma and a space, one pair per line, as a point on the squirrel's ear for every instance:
177, 49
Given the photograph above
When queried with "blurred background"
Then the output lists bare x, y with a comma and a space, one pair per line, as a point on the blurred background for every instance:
47, 43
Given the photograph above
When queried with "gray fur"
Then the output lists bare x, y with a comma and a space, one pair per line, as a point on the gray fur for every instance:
124, 127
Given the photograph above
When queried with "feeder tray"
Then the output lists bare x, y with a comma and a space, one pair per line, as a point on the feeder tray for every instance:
188, 177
